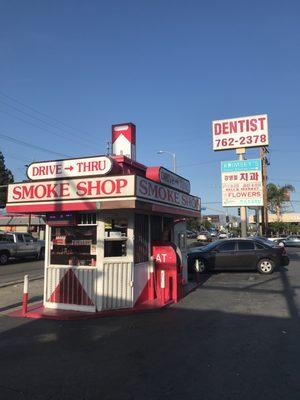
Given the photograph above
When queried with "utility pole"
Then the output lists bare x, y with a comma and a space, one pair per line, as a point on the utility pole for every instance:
241, 153
108, 148
264, 208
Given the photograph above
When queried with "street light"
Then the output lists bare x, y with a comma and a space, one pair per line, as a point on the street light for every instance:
172, 154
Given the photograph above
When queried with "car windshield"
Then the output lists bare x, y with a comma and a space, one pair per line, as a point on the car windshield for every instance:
265, 241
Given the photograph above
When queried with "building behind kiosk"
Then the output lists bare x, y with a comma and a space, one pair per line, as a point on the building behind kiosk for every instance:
106, 216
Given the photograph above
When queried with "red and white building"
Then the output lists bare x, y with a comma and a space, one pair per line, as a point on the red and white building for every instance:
105, 219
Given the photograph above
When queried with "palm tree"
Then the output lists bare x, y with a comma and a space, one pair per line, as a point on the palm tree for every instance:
277, 196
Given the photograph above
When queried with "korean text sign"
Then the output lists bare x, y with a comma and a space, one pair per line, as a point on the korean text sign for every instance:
242, 183
240, 132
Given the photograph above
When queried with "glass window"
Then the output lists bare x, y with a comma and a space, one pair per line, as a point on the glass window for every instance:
20, 237
86, 219
28, 238
259, 246
115, 242
156, 228
141, 238
246, 245
73, 245
229, 246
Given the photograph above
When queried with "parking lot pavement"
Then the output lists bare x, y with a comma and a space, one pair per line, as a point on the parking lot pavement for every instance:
236, 337
16, 269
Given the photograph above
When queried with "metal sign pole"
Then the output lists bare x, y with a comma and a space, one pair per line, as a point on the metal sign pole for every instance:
241, 153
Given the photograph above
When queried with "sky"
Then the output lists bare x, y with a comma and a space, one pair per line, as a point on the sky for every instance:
70, 69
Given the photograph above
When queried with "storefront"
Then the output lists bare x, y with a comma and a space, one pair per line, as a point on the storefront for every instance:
104, 218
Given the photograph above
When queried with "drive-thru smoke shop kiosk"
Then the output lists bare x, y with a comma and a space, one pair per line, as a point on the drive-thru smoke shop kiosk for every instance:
107, 218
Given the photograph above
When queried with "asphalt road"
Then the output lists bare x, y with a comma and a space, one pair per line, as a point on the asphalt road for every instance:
16, 269
236, 337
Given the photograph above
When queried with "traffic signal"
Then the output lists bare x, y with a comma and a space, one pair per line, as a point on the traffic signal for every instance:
227, 219
239, 212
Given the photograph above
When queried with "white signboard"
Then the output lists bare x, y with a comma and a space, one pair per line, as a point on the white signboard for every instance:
70, 168
72, 189
162, 194
240, 132
242, 183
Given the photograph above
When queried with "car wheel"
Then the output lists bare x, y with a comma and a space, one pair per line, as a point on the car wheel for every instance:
202, 266
265, 266
4, 258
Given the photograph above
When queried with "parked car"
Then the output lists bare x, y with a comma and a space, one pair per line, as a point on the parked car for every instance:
191, 234
223, 235
20, 245
204, 236
290, 241
238, 254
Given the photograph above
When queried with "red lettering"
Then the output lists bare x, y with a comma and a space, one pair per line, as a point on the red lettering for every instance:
121, 183
27, 192
241, 124
40, 191
233, 126
108, 186
253, 125
262, 120
35, 171
81, 189
17, 193
225, 128
64, 190
217, 129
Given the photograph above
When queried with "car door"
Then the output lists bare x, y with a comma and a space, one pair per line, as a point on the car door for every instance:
21, 245
224, 255
30, 245
246, 256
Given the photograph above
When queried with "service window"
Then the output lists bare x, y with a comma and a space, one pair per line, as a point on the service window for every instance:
245, 245
229, 246
115, 239
73, 245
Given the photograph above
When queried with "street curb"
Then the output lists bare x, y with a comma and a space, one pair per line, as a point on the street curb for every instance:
3, 285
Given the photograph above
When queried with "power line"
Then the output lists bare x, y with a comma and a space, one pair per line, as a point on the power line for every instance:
43, 121
41, 113
58, 134
26, 144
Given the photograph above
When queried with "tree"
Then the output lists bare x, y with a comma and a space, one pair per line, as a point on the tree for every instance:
277, 196
6, 177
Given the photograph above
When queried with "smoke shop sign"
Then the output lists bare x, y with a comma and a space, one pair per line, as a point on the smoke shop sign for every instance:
158, 193
69, 168
74, 189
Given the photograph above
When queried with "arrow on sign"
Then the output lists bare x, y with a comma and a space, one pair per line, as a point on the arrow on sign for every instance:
70, 168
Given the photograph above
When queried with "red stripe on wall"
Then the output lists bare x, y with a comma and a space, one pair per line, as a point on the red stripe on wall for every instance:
57, 207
